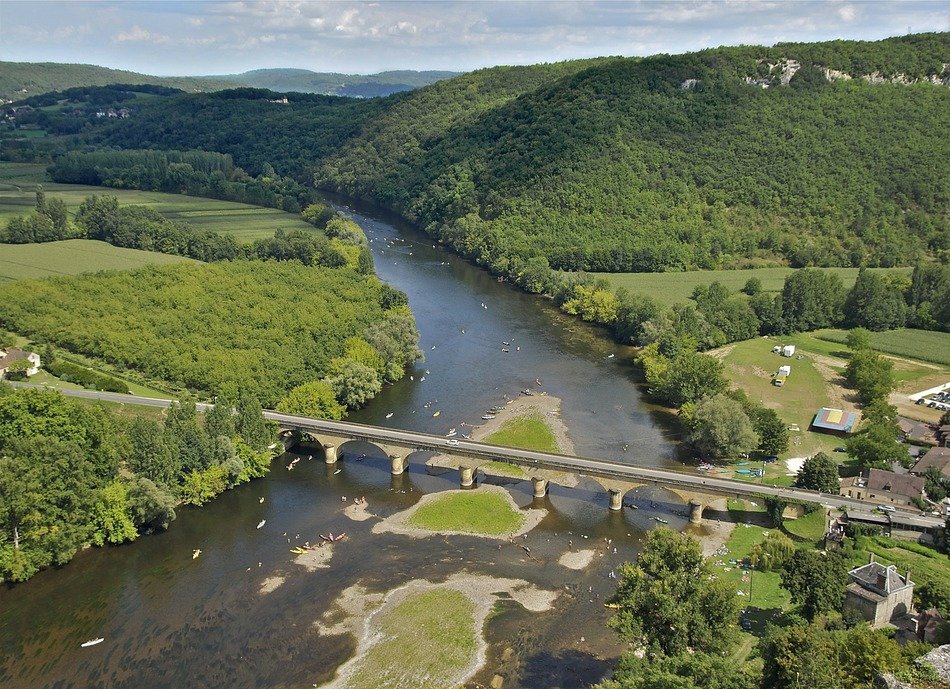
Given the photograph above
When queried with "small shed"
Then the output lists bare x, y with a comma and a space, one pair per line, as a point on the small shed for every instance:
784, 370
788, 350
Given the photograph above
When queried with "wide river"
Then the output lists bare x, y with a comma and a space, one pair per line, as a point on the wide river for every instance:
173, 621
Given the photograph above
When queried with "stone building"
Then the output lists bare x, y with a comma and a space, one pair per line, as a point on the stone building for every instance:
879, 593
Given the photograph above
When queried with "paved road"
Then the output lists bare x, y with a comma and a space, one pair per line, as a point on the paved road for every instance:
601, 468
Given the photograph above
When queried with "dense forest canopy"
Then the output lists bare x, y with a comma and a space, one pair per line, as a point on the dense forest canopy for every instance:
263, 326
620, 164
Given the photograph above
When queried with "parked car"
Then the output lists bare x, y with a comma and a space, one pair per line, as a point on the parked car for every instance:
452, 441
841, 449
746, 623
886, 508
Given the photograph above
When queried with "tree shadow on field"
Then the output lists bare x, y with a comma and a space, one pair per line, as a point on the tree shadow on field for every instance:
565, 669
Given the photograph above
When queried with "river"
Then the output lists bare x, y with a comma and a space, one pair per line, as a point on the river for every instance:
173, 621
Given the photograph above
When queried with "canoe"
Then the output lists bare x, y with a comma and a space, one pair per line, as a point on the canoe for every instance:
92, 642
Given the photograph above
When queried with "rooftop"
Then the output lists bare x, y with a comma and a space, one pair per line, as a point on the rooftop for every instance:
878, 578
835, 420
936, 457
906, 485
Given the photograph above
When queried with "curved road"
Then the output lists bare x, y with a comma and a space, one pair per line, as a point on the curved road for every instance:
601, 468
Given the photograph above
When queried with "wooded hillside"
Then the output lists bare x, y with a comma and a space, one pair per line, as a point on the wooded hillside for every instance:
662, 163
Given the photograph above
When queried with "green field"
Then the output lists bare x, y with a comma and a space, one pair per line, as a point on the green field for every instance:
749, 366
18, 182
474, 512
924, 345
425, 641
72, 256
808, 528
672, 288
528, 432
766, 587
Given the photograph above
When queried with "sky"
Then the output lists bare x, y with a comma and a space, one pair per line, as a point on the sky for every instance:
223, 37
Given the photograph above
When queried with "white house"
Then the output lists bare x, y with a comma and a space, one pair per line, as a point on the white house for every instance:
8, 356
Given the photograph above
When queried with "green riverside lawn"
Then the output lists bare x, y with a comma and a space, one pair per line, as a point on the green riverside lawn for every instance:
427, 640
528, 432
246, 223
474, 512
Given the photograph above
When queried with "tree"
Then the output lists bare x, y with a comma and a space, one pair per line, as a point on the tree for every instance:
250, 424
353, 383
812, 299
720, 428
800, 656
876, 446
188, 443
858, 339
771, 554
689, 377
874, 303
669, 601
772, 431
686, 671
150, 456
219, 420
752, 286
815, 581
633, 310
151, 507
315, 399
819, 472
112, 518
870, 374
937, 486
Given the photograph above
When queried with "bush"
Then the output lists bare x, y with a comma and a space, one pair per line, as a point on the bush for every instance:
71, 373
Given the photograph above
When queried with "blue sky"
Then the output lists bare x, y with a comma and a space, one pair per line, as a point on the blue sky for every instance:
210, 37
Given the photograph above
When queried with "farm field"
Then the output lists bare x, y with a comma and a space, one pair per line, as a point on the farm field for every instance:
72, 256
673, 288
924, 345
246, 223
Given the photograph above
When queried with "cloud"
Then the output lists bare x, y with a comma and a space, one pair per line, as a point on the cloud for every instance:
181, 37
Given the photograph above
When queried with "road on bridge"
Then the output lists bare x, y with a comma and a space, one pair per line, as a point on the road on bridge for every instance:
527, 458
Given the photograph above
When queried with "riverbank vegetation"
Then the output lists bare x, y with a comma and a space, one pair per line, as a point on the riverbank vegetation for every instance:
74, 474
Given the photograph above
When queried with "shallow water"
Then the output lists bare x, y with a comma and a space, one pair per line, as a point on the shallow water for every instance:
172, 621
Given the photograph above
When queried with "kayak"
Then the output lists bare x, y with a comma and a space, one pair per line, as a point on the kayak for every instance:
92, 642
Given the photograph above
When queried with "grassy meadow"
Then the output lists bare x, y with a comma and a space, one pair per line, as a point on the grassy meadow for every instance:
528, 432
475, 512
425, 641
73, 256
246, 223
673, 288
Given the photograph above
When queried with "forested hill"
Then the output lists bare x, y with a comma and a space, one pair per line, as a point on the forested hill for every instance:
20, 80
809, 154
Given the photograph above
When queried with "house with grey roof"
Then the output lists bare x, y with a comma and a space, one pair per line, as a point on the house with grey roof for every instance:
878, 593
8, 356
936, 457
884, 487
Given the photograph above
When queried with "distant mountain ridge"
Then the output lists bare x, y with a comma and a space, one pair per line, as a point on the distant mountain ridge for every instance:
20, 80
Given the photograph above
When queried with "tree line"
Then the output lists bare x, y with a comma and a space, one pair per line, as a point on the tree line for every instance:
196, 173
341, 243
73, 474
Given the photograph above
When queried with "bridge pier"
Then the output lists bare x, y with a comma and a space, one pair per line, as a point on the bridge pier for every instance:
695, 511
616, 499
397, 464
329, 454
466, 476
540, 487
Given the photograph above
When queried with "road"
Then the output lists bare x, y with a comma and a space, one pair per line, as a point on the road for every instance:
601, 468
